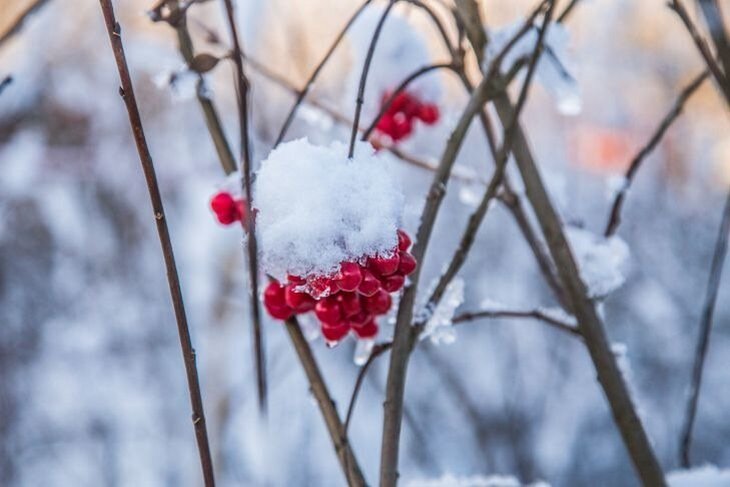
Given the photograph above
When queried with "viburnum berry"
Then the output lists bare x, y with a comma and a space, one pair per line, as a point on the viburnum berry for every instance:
275, 301
406, 263
397, 120
384, 266
300, 302
393, 283
349, 276
329, 311
368, 330
228, 209
428, 114
348, 300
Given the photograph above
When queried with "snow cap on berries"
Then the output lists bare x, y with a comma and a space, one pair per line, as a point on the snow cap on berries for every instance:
317, 208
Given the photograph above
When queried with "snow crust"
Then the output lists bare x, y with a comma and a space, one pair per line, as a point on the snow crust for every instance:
317, 208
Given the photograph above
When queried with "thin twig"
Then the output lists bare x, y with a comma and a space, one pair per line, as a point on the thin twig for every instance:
301, 94
6, 81
242, 87
377, 351
614, 218
336, 429
702, 47
715, 26
567, 11
703, 340
536, 314
127, 93
364, 77
402, 86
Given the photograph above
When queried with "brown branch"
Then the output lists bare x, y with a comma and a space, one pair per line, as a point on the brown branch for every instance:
536, 314
127, 93
567, 11
402, 86
364, 77
301, 94
614, 218
242, 87
377, 351
702, 47
336, 430
713, 19
703, 340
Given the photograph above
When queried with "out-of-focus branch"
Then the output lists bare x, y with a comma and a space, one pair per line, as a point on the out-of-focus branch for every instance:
17, 24
242, 87
536, 314
715, 25
703, 340
376, 352
6, 81
135, 121
614, 218
336, 429
301, 94
702, 47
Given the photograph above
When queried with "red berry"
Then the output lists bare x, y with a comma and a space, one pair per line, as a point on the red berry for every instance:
393, 283
384, 266
369, 285
335, 333
369, 330
404, 241
328, 311
296, 280
407, 263
275, 302
360, 319
321, 287
225, 208
349, 276
350, 303
377, 304
428, 113
299, 301
386, 125
402, 128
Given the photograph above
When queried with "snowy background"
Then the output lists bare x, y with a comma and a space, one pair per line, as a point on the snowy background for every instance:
92, 389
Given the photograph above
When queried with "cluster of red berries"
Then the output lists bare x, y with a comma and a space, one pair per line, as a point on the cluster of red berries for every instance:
228, 209
397, 121
349, 300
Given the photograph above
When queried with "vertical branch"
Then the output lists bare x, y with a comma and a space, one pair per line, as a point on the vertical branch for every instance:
251, 245
127, 93
718, 259
337, 431
364, 76
308, 85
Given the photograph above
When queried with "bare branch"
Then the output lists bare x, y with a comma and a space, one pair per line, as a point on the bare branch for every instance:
127, 93
535, 314
242, 87
703, 340
713, 19
337, 432
377, 351
614, 218
5, 82
308, 85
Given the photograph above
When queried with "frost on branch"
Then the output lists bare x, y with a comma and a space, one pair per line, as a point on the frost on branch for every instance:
552, 68
705, 476
439, 327
603, 262
317, 209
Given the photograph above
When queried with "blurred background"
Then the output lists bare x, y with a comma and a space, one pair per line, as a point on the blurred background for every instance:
92, 387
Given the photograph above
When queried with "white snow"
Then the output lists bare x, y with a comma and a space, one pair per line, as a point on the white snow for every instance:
552, 68
439, 327
603, 262
559, 314
705, 476
450, 480
317, 209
